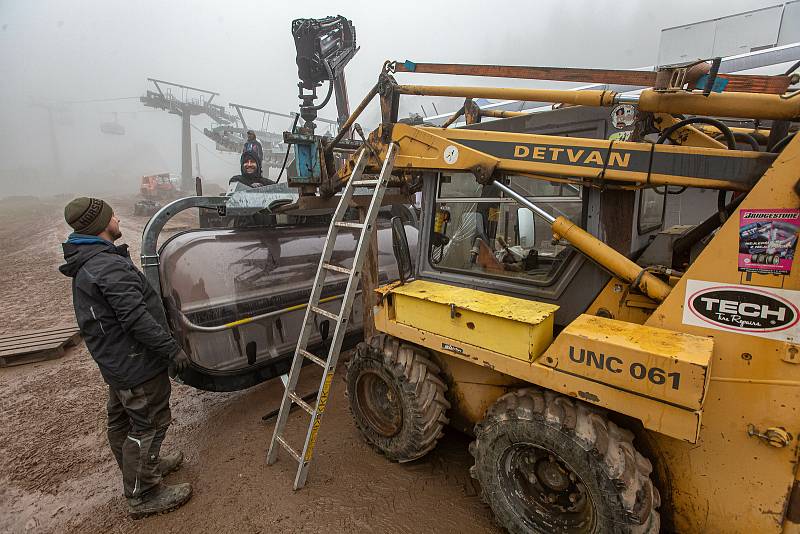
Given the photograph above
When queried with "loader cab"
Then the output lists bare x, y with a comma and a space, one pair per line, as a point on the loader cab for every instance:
478, 237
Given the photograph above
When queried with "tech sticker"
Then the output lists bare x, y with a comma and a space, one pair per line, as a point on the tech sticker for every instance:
754, 311
450, 154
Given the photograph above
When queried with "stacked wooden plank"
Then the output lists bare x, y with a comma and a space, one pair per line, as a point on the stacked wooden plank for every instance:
37, 345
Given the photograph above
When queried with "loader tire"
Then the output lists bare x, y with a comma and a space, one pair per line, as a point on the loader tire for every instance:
547, 463
396, 398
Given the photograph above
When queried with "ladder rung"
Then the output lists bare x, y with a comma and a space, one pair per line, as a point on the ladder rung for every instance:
300, 402
332, 267
316, 359
345, 224
366, 183
326, 313
288, 448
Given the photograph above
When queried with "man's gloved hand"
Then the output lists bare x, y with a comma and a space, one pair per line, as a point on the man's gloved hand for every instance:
180, 362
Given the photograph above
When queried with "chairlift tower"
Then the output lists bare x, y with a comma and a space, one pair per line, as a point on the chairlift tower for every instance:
231, 138
55, 152
185, 101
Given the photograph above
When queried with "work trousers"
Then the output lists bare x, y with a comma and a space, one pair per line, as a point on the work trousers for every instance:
137, 423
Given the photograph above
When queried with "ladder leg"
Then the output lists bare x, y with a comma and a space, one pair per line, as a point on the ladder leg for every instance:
341, 326
316, 292
341, 320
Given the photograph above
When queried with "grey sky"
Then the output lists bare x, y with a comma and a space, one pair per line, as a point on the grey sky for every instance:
85, 50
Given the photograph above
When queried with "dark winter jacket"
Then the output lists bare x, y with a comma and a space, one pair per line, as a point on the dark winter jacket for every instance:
119, 314
251, 180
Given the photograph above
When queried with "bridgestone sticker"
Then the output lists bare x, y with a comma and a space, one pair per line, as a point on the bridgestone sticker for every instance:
767, 240
754, 311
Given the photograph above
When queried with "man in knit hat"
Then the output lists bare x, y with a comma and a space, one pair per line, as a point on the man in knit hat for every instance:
125, 328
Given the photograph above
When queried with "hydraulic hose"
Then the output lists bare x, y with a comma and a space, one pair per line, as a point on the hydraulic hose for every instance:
783, 142
288, 149
719, 125
725, 132
330, 89
743, 137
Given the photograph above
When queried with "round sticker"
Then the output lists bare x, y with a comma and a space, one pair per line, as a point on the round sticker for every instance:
450, 154
623, 116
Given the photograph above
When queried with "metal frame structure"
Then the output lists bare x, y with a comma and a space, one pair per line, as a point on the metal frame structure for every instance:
164, 98
504, 108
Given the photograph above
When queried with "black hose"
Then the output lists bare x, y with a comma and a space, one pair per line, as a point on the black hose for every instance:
683, 244
330, 89
719, 125
724, 131
780, 145
723, 215
743, 137
288, 149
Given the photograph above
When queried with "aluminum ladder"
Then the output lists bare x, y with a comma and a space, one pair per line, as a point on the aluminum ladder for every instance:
340, 319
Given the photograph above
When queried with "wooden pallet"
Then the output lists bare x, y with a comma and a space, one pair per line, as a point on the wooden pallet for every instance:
37, 345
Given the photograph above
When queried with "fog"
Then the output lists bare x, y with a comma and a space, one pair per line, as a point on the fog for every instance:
68, 66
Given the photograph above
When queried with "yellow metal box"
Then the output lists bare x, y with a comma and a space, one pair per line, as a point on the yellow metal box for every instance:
661, 364
518, 328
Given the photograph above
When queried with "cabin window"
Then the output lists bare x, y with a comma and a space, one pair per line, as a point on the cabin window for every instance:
651, 210
478, 230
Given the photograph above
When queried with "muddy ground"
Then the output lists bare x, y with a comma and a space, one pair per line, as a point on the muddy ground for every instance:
57, 473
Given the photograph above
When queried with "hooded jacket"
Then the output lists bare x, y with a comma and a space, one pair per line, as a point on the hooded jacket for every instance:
119, 314
251, 180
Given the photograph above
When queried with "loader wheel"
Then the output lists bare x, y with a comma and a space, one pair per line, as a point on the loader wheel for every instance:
396, 398
547, 463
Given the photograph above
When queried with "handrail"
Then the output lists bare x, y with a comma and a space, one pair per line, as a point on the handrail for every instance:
149, 256
227, 326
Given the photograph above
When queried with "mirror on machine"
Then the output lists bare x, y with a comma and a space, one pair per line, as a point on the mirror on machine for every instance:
402, 254
526, 228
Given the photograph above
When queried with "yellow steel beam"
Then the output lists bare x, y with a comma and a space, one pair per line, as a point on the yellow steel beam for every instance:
501, 114
568, 157
740, 105
583, 98
610, 259
687, 135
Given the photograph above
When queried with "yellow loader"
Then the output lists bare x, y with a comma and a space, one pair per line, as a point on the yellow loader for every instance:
617, 375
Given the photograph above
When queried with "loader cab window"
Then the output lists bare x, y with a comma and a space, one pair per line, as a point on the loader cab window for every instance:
476, 229
652, 206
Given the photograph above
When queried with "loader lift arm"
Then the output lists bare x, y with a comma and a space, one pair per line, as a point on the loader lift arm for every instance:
490, 156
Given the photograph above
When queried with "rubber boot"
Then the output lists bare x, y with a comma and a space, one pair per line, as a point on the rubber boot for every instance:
160, 500
169, 463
